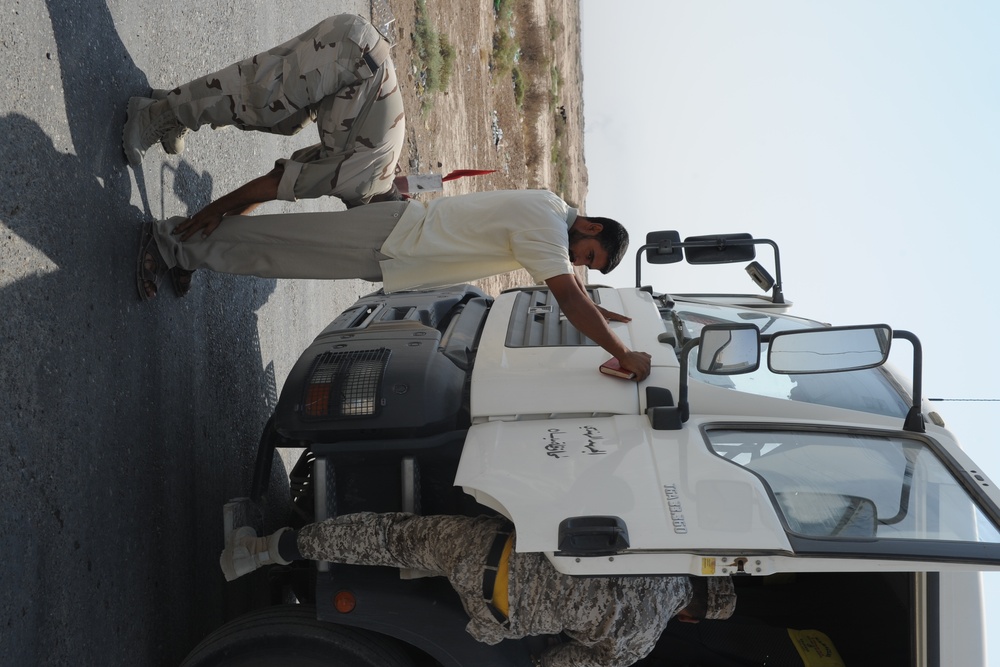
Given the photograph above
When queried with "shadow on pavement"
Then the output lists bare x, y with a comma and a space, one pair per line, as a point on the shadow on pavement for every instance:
127, 425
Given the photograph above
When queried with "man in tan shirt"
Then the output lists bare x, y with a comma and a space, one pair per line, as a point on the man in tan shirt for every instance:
411, 245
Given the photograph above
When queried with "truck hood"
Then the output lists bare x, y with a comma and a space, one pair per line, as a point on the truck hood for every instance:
527, 343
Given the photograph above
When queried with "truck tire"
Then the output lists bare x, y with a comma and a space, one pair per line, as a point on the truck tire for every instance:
291, 636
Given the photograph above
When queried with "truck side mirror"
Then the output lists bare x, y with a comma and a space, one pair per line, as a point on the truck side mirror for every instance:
663, 247
838, 349
720, 248
729, 349
666, 247
829, 350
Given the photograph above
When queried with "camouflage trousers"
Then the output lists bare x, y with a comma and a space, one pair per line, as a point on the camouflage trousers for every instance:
337, 74
455, 547
440, 544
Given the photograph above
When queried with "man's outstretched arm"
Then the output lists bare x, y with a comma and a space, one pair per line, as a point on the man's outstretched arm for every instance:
590, 321
238, 202
608, 315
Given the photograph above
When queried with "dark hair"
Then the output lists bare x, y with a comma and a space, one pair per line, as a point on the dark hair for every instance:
613, 238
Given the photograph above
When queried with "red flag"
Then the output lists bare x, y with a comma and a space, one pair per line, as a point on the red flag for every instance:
459, 173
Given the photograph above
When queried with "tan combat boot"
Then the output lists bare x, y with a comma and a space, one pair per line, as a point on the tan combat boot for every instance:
148, 122
172, 141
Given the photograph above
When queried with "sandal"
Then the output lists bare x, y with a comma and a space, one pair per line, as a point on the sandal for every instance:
150, 268
181, 280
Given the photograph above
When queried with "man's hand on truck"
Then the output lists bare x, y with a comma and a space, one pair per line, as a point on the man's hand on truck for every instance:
592, 322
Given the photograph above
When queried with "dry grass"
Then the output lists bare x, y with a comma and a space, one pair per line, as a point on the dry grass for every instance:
435, 56
537, 82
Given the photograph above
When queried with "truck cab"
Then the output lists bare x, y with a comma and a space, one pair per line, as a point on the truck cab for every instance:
782, 452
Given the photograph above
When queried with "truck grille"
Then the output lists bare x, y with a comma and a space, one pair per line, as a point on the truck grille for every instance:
536, 321
344, 384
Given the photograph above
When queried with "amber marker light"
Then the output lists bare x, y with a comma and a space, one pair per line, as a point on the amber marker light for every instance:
344, 602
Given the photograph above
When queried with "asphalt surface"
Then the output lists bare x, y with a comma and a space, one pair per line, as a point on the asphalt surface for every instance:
127, 425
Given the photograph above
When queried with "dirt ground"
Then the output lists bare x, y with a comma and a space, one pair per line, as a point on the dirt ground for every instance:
476, 124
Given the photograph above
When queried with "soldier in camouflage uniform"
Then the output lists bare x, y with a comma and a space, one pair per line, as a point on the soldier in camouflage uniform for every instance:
612, 620
337, 74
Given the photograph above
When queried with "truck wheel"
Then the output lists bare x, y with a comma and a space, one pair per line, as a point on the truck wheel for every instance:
291, 636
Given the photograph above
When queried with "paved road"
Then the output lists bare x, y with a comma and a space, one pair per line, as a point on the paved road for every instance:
125, 426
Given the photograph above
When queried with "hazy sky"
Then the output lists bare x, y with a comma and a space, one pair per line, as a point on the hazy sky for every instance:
863, 137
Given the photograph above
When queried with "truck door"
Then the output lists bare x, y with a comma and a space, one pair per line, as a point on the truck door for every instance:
786, 498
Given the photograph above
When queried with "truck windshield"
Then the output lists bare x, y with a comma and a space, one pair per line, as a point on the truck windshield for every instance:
871, 390
850, 486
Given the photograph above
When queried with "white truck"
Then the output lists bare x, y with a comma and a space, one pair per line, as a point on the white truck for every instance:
775, 450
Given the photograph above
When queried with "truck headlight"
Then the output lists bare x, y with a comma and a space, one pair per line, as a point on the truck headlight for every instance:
345, 384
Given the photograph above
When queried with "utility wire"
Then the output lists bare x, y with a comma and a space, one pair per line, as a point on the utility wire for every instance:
967, 400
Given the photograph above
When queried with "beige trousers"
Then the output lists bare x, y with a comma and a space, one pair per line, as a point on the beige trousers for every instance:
324, 246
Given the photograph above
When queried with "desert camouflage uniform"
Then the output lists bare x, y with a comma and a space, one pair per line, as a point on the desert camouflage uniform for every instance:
323, 76
613, 620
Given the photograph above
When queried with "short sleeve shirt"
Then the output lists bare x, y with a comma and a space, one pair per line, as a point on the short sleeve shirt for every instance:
457, 239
